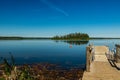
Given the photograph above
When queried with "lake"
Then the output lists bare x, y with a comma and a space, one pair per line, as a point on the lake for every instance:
64, 53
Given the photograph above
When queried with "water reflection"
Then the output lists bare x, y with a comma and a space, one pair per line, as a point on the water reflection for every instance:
76, 42
71, 42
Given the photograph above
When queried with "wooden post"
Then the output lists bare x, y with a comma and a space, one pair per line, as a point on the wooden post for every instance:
88, 59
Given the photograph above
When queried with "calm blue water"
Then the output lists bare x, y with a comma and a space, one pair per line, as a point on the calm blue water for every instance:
64, 53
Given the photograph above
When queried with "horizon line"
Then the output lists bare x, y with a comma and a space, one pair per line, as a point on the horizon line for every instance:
50, 37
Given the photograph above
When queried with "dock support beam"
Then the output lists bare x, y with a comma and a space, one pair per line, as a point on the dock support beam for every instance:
89, 57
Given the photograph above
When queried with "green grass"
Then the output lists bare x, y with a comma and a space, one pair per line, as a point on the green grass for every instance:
2, 79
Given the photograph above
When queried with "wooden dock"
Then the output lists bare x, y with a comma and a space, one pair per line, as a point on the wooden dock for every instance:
100, 68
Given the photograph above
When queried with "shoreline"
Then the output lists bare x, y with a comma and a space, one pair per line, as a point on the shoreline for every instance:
43, 71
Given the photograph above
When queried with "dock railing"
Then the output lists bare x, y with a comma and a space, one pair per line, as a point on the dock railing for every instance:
117, 54
89, 56
110, 55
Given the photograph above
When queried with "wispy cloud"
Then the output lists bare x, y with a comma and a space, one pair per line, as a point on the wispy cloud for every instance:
52, 6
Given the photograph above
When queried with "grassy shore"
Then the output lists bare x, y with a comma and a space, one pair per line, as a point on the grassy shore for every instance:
46, 71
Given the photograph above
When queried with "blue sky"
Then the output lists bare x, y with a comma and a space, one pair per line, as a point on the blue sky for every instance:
35, 18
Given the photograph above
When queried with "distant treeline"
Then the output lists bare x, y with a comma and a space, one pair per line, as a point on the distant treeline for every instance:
21, 38
103, 38
73, 36
10, 38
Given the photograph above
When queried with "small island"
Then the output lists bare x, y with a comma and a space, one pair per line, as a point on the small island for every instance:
73, 36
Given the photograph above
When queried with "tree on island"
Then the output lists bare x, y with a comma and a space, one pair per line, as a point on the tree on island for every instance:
73, 36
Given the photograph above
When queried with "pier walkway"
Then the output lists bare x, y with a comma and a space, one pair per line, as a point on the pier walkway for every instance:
100, 68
